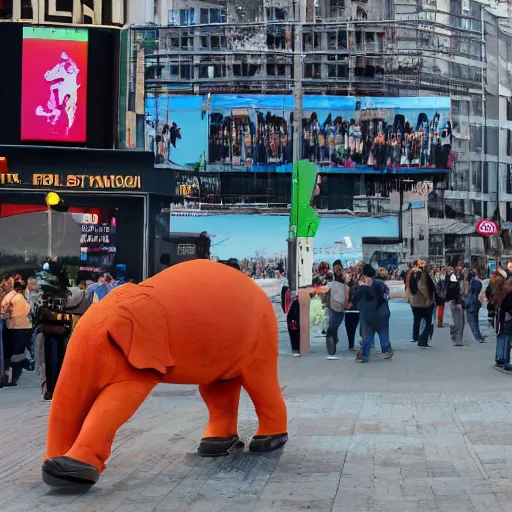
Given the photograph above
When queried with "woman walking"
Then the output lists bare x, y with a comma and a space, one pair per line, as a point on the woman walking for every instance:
472, 304
19, 331
337, 301
352, 312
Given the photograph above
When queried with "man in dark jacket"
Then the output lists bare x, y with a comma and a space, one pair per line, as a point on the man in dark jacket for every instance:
421, 298
374, 310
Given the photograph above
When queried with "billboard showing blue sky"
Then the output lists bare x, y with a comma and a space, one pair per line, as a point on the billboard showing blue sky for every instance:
339, 134
264, 236
176, 130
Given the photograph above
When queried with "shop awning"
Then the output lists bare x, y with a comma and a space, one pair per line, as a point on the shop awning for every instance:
452, 227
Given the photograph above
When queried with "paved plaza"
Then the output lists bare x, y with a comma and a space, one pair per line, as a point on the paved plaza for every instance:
430, 430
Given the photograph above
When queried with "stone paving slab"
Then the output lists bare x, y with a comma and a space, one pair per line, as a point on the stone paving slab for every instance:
430, 430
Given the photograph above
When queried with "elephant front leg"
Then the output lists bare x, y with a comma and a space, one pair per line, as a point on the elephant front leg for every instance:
85, 460
221, 434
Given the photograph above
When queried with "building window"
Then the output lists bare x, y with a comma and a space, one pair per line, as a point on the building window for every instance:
476, 105
337, 66
313, 70
491, 140
212, 68
173, 17
337, 40
475, 141
476, 176
312, 41
186, 17
181, 68
245, 68
454, 208
336, 9
212, 15
276, 14
278, 69
508, 185
476, 207
487, 165
181, 17
509, 212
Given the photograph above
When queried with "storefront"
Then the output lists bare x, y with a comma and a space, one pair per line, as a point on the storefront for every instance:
118, 196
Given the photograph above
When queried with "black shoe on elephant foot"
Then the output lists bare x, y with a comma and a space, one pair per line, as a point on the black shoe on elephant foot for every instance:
219, 446
261, 444
68, 472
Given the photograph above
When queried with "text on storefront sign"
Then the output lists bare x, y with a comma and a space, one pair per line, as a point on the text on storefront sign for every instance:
86, 181
7, 179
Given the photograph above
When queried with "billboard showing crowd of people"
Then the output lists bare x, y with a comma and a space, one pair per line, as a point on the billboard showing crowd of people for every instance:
255, 132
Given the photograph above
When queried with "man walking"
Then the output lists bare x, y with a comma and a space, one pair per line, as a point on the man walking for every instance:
455, 297
421, 298
374, 309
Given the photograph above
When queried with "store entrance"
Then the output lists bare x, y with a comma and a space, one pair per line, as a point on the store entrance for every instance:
93, 232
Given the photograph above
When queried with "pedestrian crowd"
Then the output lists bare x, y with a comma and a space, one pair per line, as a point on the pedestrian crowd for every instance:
359, 296
34, 335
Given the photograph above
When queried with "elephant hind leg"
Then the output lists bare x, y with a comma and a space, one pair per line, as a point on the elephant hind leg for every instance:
221, 434
260, 380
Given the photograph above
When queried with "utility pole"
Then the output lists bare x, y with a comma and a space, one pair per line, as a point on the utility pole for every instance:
299, 18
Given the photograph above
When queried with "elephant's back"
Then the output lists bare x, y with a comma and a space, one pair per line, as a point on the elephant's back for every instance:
221, 280
214, 312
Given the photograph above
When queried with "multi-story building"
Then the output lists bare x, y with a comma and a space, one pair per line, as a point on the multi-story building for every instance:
460, 49
58, 133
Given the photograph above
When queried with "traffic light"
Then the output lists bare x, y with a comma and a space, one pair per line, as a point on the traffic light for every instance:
55, 202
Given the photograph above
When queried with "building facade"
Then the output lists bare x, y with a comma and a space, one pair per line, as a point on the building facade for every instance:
459, 49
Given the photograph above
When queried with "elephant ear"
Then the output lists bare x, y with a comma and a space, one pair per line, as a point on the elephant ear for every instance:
140, 330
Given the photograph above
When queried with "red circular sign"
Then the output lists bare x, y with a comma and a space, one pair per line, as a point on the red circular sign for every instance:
487, 227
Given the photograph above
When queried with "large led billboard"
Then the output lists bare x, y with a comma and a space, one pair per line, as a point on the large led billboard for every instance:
54, 84
339, 133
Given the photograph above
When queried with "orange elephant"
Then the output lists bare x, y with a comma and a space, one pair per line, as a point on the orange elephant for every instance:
221, 334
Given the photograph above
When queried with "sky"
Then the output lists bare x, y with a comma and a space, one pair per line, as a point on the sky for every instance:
240, 236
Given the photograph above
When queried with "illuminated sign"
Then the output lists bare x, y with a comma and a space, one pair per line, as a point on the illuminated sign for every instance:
185, 190
86, 181
487, 228
10, 179
54, 84
99, 12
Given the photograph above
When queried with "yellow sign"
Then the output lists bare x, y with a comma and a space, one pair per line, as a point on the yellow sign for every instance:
9, 178
185, 190
52, 199
85, 181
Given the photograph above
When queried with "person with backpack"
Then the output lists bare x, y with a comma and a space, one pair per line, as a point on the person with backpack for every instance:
454, 295
374, 314
499, 294
441, 298
421, 292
